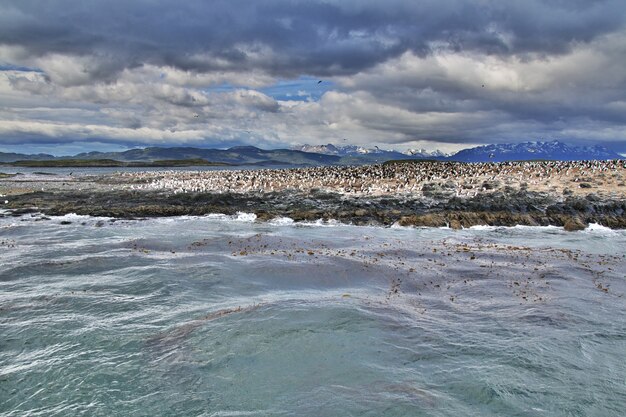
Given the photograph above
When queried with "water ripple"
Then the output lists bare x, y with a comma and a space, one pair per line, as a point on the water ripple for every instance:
216, 318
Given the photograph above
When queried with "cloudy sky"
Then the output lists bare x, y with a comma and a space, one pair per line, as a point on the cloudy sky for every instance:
447, 74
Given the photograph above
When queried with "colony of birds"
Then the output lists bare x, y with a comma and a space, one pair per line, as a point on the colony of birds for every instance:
406, 178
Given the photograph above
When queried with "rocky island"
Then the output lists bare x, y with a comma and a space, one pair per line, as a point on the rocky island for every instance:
407, 193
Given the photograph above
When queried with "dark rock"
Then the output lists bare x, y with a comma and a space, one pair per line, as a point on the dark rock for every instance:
490, 185
439, 209
574, 223
593, 197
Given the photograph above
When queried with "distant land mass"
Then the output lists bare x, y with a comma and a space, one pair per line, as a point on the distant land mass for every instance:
553, 150
525, 151
311, 155
179, 156
112, 163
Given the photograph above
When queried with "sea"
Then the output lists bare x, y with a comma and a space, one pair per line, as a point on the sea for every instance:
229, 316
41, 173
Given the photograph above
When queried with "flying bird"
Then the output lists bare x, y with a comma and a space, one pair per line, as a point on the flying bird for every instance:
319, 82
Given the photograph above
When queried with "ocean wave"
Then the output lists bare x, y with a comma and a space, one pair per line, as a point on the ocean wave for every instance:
526, 227
73, 217
598, 229
246, 217
282, 221
482, 227
323, 223
239, 217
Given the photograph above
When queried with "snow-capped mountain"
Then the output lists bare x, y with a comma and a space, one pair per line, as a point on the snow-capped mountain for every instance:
353, 150
330, 149
423, 152
524, 151
340, 155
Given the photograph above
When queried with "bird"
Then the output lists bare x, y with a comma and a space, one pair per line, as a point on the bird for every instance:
319, 82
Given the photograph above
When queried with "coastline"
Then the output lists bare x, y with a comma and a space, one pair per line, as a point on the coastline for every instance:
567, 194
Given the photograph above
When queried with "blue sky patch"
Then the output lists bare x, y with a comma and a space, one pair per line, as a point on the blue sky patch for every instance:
304, 88
11, 67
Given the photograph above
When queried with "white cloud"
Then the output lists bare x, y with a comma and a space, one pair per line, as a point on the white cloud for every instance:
177, 77
445, 95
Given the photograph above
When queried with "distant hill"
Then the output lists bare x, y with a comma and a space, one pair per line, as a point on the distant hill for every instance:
11, 157
525, 151
112, 163
239, 155
307, 155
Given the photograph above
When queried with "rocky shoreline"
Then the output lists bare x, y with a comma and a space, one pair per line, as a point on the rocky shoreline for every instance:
494, 209
571, 195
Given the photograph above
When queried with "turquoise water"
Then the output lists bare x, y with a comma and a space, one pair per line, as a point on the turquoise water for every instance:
223, 316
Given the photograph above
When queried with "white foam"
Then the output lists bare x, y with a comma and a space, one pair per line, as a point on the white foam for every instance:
525, 227
596, 228
239, 217
483, 227
323, 223
245, 217
217, 216
519, 227
73, 217
281, 221
175, 219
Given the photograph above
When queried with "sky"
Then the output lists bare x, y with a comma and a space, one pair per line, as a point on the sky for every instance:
399, 74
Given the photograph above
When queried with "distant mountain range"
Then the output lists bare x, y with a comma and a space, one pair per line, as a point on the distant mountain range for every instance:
239, 155
307, 155
353, 150
554, 150
351, 154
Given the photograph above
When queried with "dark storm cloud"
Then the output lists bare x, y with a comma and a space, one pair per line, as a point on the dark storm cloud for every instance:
288, 38
443, 72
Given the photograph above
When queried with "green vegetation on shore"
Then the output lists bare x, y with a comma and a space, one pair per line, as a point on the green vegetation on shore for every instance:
105, 163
